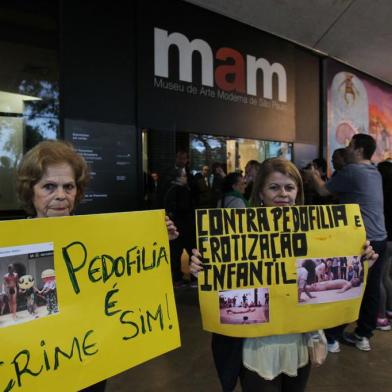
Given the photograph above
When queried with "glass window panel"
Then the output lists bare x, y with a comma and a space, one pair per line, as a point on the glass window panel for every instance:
233, 153
11, 149
29, 92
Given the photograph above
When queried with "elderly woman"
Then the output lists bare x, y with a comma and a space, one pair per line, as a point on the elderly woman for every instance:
51, 180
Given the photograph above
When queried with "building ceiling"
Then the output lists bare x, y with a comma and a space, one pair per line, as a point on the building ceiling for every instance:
357, 32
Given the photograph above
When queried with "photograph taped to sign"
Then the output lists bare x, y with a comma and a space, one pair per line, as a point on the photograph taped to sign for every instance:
330, 280
278, 249
246, 306
28, 283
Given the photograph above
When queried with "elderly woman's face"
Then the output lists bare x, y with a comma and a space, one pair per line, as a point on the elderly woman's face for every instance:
55, 193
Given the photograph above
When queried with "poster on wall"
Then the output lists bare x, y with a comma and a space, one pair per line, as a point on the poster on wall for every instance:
357, 103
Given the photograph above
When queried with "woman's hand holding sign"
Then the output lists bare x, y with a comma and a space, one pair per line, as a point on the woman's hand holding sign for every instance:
369, 254
171, 229
196, 264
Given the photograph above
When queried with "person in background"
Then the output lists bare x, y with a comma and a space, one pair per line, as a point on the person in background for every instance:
338, 160
179, 206
311, 195
320, 165
385, 309
203, 190
216, 180
251, 169
152, 191
182, 160
51, 181
233, 189
278, 363
343, 268
166, 175
360, 182
335, 267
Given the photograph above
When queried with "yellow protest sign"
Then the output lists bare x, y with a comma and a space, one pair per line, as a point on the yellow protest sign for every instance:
94, 298
277, 270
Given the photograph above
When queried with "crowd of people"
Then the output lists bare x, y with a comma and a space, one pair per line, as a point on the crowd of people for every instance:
52, 178
262, 363
180, 193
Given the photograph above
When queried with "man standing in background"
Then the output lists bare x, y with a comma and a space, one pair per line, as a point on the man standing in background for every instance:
251, 169
360, 182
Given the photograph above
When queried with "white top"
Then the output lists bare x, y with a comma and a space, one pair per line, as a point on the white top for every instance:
270, 356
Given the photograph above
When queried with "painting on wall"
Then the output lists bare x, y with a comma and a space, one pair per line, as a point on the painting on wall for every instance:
357, 104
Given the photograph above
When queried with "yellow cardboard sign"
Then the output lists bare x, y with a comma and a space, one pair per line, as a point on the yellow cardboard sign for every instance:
108, 305
270, 271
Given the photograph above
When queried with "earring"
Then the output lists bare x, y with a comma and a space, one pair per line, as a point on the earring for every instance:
261, 200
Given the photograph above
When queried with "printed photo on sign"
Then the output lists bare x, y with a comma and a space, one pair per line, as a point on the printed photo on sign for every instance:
330, 279
246, 306
28, 287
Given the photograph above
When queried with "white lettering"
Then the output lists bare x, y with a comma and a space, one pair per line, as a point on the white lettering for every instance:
253, 65
185, 49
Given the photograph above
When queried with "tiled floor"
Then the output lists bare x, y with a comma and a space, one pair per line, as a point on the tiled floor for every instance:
190, 368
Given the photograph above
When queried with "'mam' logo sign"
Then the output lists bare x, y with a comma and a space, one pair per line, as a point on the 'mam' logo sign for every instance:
244, 68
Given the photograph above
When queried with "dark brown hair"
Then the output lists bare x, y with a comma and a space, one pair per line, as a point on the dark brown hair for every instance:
366, 142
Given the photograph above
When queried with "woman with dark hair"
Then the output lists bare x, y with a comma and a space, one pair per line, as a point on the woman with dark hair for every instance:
306, 275
233, 189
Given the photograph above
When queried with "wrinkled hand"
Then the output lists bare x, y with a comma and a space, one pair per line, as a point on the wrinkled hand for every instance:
171, 229
196, 264
369, 254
